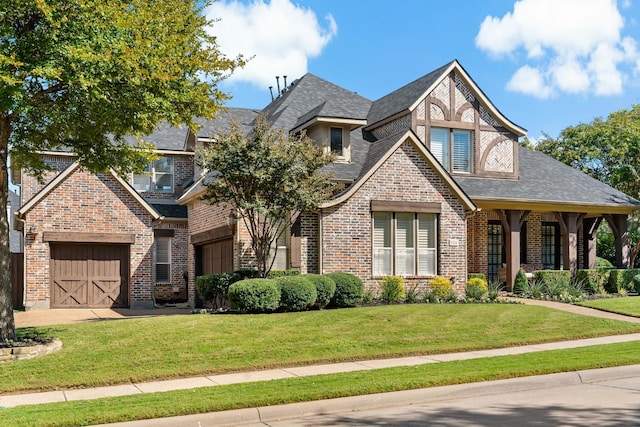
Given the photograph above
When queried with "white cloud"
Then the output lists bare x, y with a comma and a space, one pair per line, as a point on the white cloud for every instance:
576, 46
279, 35
530, 81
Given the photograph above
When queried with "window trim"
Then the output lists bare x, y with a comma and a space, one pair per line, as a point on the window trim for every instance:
341, 153
449, 152
152, 175
415, 230
169, 242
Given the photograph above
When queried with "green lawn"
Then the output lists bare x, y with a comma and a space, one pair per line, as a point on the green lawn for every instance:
123, 351
155, 405
629, 306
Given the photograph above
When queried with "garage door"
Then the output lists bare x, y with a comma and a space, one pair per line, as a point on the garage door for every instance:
89, 275
217, 257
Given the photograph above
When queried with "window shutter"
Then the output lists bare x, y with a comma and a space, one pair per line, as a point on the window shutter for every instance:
405, 251
163, 259
461, 151
427, 254
440, 145
382, 250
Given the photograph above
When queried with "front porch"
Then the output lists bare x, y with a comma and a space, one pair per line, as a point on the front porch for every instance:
501, 241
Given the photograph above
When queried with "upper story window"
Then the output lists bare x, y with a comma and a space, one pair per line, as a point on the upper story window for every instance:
452, 147
335, 139
157, 177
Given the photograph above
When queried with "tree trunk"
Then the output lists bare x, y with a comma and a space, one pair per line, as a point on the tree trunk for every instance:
7, 325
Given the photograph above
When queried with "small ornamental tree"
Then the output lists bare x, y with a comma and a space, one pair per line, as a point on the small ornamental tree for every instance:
80, 75
268, 177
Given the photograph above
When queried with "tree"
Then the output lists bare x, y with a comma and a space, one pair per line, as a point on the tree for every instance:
268, 177
608, 150
83, 74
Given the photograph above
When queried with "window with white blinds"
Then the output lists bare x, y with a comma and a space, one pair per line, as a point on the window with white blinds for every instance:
461, 151
440, 145
280, 250
382, 249
455, 146
163, 259
404, 244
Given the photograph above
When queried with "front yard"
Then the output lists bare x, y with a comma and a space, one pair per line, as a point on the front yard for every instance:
135, 350
629, 306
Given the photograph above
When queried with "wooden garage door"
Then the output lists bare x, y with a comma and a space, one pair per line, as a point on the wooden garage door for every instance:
89, 275
217, 257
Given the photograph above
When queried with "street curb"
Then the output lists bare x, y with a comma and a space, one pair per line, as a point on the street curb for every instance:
266, 414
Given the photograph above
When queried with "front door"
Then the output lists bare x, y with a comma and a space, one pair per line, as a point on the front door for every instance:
495, 255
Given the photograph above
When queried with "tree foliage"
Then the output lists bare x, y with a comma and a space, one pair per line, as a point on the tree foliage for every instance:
608, 150
269, 177
88, 75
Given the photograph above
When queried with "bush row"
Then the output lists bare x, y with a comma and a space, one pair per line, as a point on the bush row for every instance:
286, 290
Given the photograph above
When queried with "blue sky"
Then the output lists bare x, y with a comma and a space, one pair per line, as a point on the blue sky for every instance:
546, 64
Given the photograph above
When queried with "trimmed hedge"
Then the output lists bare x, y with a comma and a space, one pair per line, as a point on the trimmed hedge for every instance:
349, 289
441, 287
274, 274
296, 292
476, 276
325, 288
254, 295
594, 281
545, 275
621, 280
213, 288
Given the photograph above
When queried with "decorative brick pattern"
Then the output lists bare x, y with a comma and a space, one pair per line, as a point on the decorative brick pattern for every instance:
462, 96
393, 127
500, 158
441, 93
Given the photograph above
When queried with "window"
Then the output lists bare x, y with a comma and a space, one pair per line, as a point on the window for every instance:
551, 246
157, 176
163, 259
336, 141
404, 244
452, 145
280, 250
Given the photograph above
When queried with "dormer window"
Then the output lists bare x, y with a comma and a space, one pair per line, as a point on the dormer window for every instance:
452, 147
336, 141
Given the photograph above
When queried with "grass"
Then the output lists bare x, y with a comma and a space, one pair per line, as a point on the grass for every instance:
629, 306
124, 351
275, 392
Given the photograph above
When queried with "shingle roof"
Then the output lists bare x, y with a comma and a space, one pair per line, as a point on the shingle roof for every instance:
403, 98
165, 137
544, 179
221, 123
311, 96
170, 210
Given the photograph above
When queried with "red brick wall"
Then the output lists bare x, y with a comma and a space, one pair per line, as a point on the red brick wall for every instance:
179, 265
405, 176
84, 202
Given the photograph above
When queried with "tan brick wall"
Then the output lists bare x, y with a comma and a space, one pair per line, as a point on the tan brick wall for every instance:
84, 202
405, 176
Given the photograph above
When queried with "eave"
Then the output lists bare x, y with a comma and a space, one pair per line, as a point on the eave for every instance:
553, 206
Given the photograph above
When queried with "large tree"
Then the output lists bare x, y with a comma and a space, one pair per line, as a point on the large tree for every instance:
608, 150
81, 75
268, 177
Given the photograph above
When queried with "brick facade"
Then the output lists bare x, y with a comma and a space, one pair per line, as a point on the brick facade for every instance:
404, 177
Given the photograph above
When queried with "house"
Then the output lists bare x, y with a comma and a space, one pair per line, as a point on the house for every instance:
435, 183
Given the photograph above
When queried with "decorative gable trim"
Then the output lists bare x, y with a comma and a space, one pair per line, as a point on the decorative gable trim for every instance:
62, 176
437, 167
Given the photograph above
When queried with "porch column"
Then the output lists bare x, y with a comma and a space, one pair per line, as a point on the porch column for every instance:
569, 222
589, 228
618, 225
512, 221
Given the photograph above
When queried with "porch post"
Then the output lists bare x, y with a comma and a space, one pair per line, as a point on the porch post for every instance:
618, 224
512, 223
569, 221
589, 228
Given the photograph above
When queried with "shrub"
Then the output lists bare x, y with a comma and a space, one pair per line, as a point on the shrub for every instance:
520, 283
391, 289
349, 289
621, 280
475, 289
493, 290
325, 288
556, 285
577, 288
532, 289
254, 295
213, 288
441, 287
602, 263
296, 292
476, 276
594, 281
274, 274
636, 282
544, 275
413, 294
238, 275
